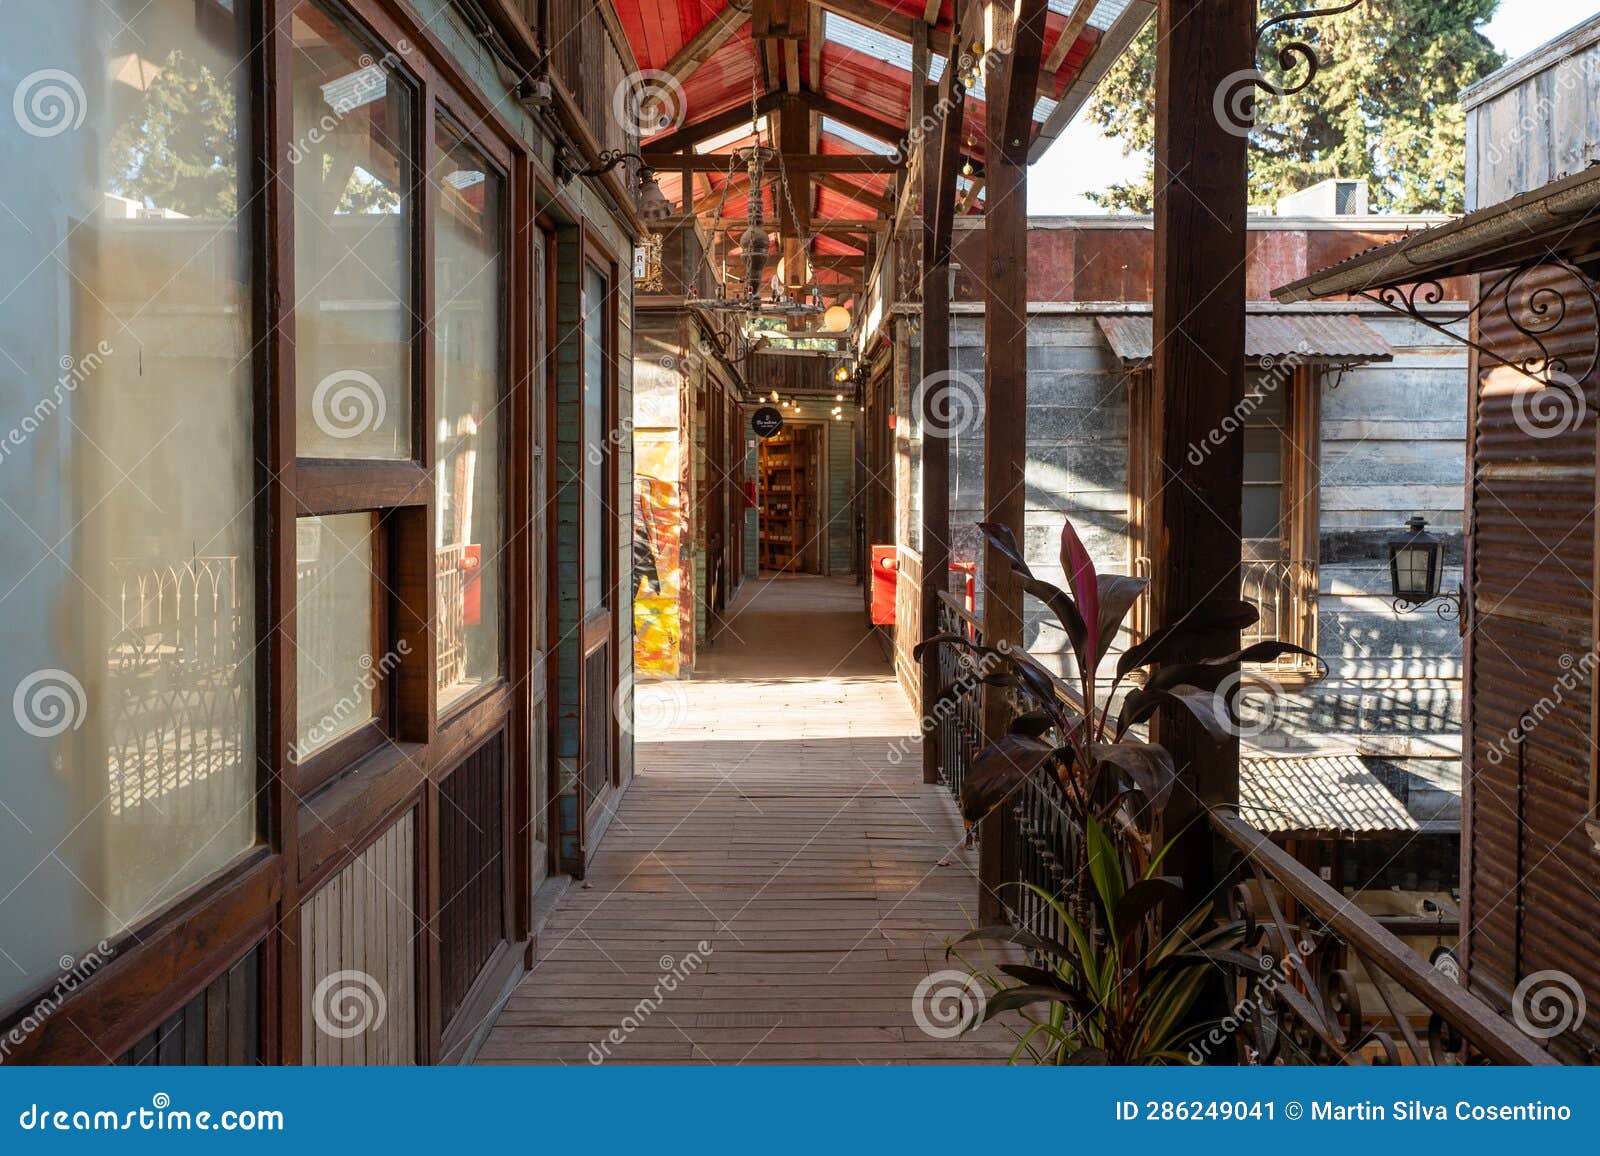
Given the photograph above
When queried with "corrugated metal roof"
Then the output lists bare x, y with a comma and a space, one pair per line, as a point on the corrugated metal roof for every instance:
1317, 794
1342, 337
1557, 219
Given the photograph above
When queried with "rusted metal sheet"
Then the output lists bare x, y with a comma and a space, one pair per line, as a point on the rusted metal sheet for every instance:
1340, 337
1532, 872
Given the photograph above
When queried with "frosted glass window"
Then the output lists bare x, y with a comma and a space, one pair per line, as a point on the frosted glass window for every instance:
596, 451
127, 473
351, 162
336, 672
469, 343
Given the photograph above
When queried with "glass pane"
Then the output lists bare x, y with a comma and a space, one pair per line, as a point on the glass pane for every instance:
470, 352
335, 679
1263, 455
126, 471
352, 222
596, 319
1261, 511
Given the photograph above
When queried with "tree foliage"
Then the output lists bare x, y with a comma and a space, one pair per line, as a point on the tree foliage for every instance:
1383, 106
178, 148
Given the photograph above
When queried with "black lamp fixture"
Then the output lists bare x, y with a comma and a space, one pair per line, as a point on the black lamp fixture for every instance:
1416, 574
653, 204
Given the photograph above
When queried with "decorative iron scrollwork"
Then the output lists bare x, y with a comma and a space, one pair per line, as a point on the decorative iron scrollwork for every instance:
1535, 312
1295, 53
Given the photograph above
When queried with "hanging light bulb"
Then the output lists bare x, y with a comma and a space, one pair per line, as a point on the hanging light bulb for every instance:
835, 320
842, 373
838, 397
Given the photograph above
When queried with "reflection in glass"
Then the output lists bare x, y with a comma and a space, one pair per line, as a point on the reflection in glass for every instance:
470, 358
352, 212
126, 471
336, 673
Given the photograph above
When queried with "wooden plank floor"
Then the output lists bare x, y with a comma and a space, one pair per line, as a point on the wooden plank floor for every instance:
772, 860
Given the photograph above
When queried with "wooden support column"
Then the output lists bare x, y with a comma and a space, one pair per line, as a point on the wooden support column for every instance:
940, 150
1198, 376
1016, 43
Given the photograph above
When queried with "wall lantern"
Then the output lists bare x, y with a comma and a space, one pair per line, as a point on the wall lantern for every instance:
1416, 573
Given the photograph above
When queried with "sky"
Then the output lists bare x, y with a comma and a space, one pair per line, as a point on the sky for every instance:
1082, 160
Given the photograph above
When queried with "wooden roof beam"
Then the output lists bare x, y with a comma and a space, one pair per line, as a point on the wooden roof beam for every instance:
804, 162
823, 105
1069, 36
693, 133
885, 20
703, 45
858, 194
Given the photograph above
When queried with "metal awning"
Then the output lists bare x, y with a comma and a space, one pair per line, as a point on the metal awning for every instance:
1327, 795
1341, 338
1558, 220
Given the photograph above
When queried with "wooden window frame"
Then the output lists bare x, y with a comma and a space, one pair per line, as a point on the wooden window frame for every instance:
306, 837
1300, 509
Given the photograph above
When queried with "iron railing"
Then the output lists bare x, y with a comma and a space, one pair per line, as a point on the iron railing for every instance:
958, 728
1297, 983
1310, 953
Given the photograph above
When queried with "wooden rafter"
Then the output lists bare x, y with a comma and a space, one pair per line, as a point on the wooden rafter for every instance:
693, 133
858, 164
703, 45
1069, 36
857, 193
845, 114
885, 20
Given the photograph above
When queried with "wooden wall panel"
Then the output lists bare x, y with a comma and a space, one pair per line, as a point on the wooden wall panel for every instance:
220, 1025
358, 958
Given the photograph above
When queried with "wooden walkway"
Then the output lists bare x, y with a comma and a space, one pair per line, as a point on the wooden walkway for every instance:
775, 884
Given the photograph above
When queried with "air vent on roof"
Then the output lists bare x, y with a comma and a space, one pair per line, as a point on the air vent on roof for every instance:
1331, 198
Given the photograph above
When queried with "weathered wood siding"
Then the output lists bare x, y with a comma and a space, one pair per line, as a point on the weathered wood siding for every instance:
1535, 120
1392, 445
358, 952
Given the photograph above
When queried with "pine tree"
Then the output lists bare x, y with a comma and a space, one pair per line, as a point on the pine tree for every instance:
1384, 105
178, 147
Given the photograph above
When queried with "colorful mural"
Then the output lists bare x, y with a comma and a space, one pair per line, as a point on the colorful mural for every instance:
657, 569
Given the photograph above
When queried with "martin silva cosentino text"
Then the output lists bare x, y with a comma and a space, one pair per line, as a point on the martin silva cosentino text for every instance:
1415, 1110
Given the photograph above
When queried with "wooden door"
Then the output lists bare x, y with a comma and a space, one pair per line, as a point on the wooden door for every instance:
539, 753
597, 562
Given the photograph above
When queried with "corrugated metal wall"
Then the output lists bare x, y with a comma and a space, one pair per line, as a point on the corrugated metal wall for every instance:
1532, 872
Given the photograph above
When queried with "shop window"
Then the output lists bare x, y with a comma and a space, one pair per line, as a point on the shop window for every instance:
354, 285
469, 344
127, 478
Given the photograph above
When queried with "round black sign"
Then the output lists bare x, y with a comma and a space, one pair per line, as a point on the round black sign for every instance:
766, 421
